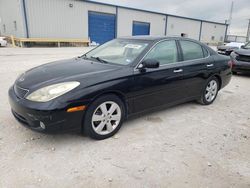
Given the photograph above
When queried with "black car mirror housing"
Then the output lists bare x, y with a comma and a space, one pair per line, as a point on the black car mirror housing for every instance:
149, 63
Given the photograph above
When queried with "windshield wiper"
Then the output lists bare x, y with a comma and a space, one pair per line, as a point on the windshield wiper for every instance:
83, 56
100, 59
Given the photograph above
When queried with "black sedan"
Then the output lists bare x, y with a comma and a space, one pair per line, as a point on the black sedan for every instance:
96, 92
241, 59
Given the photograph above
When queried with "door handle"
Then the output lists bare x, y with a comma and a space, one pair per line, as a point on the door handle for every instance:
210, 65
178, 70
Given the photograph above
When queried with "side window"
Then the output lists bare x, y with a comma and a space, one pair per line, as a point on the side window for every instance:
191, 50
205, 52
165, 52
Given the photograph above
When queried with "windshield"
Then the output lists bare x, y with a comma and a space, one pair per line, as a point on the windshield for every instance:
247, 46
234, 44
118, 51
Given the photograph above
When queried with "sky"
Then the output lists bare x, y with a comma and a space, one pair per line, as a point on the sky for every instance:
213, 10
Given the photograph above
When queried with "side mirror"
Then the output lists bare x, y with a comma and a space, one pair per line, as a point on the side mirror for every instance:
149, 63
243, 46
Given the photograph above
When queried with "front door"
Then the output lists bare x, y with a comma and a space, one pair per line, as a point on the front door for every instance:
163, 85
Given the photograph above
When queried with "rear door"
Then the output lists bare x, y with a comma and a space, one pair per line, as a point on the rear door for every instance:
196, 62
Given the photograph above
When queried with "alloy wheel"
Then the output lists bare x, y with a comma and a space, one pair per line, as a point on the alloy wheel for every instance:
211, 90
106, 118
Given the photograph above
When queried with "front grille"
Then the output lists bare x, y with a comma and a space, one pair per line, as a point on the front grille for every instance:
243, 58
222, 50
20, 92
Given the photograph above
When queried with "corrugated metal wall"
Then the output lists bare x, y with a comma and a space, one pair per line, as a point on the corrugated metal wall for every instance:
57, 19
69, 19
11, 18
177, 26
212, 32
127, 16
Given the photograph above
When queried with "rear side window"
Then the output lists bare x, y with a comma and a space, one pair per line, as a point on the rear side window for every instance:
191, 50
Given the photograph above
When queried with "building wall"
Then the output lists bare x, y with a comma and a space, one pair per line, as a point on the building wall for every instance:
212, 32
176, 26
11, 17
127, 16
56, 19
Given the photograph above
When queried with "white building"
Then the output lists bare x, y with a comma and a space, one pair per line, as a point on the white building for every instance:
83, 19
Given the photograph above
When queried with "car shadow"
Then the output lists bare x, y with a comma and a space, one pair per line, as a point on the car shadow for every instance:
150, 114
242, 74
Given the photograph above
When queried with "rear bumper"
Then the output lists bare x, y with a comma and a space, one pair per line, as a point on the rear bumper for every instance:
34, 117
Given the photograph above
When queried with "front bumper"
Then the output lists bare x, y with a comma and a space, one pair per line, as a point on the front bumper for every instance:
52, 115
224, 52
241, 66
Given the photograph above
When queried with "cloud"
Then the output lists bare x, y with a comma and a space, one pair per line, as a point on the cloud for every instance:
213, 10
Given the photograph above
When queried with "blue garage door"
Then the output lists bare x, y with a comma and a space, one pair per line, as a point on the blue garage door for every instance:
141, 28
101, 27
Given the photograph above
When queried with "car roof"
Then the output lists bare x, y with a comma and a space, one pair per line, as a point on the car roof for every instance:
155, 38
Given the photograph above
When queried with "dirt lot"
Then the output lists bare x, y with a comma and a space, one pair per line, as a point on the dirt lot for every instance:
185, 146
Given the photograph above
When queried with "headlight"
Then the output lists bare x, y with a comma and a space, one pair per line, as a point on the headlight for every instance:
233, 54
48, 93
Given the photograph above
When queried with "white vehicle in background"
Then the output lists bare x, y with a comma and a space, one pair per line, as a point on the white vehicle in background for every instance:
3, 42
229, 47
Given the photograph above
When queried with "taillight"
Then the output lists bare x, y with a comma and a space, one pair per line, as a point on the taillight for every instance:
231, 63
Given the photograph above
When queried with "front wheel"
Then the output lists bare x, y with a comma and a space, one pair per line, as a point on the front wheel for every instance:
210, 91
104, 117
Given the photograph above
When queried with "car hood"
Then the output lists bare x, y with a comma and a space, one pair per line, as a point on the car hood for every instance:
77, 69
243, 52
226, 47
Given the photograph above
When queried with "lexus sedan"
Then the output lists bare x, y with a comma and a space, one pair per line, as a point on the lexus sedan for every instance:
97, 91
241, 59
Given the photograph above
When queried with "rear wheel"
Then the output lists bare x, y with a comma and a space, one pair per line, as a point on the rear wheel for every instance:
210, 91
104, 117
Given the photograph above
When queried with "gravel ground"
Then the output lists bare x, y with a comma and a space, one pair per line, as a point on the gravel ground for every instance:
184, 146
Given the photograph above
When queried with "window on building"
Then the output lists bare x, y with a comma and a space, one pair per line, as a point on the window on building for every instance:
164, 52
184, 35
212, 38
191, 50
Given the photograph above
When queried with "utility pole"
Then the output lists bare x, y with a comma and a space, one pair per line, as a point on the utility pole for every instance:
248, 30
230, 17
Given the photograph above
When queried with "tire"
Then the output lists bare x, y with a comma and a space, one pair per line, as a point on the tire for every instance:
209, 91
101, 121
